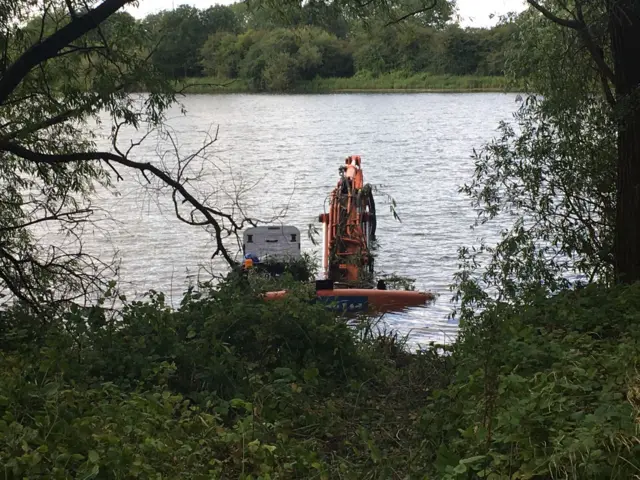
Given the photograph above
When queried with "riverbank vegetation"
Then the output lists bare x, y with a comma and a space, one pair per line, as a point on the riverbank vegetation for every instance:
228, 386
363, 82
543, 381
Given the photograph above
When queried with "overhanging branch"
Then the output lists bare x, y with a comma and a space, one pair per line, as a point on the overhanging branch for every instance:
581, 27
413, 14
49, 48
576, 25
108, 157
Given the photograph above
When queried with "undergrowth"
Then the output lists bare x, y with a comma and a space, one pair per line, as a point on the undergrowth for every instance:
228, 386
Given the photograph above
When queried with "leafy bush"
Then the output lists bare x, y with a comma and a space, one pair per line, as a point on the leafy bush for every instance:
224, 386
547, 390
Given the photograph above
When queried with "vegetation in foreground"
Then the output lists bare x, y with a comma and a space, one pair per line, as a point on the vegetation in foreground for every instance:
229, 386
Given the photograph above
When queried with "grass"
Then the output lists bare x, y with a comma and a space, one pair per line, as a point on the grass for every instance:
398, 81
362, 82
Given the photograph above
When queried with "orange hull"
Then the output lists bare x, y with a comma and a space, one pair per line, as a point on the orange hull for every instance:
364, 299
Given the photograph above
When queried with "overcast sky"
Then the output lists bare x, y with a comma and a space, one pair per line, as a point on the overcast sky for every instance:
473, 12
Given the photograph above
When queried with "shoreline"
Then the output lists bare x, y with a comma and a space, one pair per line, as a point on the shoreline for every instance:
384, 84
420, 90
224, 91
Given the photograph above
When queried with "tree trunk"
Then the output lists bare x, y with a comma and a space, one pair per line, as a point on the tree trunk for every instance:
625, 31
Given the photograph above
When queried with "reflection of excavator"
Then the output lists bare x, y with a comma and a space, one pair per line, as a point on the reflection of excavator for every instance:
349, 228
348, 231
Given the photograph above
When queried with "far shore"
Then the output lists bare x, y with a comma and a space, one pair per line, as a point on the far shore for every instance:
388, 83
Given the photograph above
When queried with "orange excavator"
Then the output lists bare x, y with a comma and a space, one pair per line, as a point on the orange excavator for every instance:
349, 228
348, 232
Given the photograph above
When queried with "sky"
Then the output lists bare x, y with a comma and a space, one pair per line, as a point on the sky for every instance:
473, 13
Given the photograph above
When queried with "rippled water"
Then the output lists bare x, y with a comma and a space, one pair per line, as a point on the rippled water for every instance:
418, 146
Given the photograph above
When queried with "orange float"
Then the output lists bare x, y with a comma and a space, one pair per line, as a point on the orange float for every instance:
354, 300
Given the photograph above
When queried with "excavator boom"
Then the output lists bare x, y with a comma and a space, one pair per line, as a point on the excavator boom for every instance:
349, 227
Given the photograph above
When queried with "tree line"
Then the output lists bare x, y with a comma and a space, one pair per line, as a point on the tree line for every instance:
274, 49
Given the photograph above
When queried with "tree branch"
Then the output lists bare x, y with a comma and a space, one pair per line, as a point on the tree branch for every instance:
72, 11
65, 217
412, 14
49, 48
50, 159
581, 27
554, 18
49, 122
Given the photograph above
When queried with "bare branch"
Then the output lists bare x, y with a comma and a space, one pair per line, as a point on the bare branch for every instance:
412, 14
72, 11
67, 216
50, 159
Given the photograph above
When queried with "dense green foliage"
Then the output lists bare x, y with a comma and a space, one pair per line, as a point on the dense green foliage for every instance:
547, 391
271, 49
551, 384
228, 386
225, 386
552, 171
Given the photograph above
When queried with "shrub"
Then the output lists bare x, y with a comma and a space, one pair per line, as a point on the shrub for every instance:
544, 391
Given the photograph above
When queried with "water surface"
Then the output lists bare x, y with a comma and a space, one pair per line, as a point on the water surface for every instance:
283, 151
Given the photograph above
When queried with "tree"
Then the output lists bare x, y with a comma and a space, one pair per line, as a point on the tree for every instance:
552, 176
221, 55
461, 51
611, 30
219, 18
180, 32
79, 64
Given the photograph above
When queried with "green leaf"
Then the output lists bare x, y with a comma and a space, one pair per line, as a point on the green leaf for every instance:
310, 374
283, 372
93, 456
475, 459
50, 389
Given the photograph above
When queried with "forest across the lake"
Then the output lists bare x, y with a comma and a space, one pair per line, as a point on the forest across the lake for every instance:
321, 48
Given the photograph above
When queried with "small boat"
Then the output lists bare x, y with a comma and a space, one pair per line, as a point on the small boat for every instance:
370, 300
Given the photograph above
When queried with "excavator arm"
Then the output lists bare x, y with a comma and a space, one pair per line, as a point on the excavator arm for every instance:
349, 227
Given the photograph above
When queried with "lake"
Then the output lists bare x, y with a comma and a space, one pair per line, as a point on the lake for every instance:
283, 152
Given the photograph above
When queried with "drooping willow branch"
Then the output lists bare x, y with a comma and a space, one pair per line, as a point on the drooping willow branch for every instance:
597, 53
